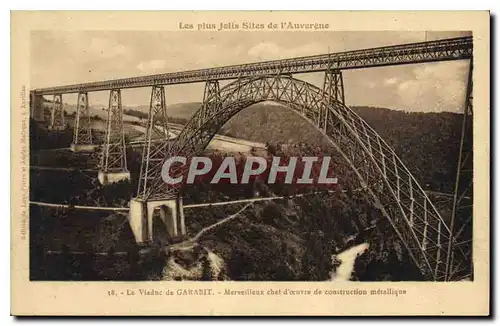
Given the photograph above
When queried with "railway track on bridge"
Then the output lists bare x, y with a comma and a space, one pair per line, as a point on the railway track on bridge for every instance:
431, 51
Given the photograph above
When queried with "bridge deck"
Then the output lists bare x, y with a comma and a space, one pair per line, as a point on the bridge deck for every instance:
431, 51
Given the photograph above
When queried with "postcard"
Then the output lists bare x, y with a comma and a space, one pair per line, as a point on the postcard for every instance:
250, 163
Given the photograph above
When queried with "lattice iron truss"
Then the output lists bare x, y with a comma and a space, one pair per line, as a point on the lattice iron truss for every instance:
430, 51
154, 152
114, 155
82, 131
212, 90
379, 170
57, 113
333, 91
461, 219
442, 249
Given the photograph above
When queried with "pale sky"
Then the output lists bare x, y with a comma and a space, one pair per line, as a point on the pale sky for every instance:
66, 57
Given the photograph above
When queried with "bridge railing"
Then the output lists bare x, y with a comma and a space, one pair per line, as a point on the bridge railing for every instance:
439, 50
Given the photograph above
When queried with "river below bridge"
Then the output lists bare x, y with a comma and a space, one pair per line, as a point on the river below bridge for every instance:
176, 269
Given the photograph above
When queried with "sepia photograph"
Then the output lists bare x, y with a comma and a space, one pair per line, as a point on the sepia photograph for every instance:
241, 151
100, 210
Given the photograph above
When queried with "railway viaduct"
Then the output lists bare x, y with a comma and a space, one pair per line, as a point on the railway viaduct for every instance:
435, 244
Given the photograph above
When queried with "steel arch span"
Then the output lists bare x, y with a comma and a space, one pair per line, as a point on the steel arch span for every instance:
380, 172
